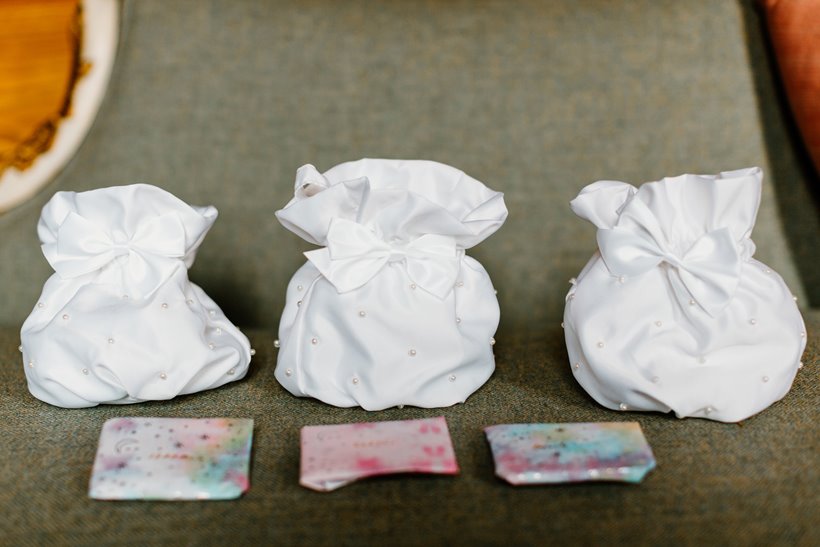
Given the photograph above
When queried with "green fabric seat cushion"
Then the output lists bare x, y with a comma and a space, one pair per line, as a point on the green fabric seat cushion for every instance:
749, 483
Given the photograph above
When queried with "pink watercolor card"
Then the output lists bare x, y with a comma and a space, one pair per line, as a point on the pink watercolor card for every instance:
172, 459
336, 455
556, 453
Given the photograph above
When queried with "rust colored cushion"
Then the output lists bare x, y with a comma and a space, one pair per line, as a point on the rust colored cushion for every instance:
794, 26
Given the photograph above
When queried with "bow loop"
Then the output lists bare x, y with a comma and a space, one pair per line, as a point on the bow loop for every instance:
140, 261
355, 254
709, 270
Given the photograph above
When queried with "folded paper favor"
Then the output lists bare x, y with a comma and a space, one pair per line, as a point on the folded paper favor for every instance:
390, 311
172, 459
119, 321
673, 313
558, 453
336, 455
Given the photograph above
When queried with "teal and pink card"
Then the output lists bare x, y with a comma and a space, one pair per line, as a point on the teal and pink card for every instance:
556, 453
172, 459
336, 455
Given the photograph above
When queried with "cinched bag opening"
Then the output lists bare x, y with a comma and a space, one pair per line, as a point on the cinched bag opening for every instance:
390, 310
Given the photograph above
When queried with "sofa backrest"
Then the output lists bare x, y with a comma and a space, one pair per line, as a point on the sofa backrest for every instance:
221, 102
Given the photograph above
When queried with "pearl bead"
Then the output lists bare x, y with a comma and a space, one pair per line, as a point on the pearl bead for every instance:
691, 302
276, 344
211, 313
794, 298
753, 321
621, 279
458, 320
362, 313
658, 323
492, 341
800, 365
298, 303
600, 344
411, 353
708, 410
314, 341
288, 372
163, 376
622, 406
576, 366
231, 372
164, 305
767, 270
65, 317
189, 301
765, 379
572, 280
40, 305
211, 345
412, 285
253, 352
31, 364
110, 340
85, 371
572, 296
803, 334
355, 381
562, 324
400, 407
495, 291
452, 377
20, 348
218, 330
299, 287
460, 284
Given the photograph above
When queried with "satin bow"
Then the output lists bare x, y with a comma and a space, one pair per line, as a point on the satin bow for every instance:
709, 270
141, 261
355, 254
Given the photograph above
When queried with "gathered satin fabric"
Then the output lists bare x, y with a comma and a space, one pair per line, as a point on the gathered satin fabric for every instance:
119, 321
673, 313
389, 311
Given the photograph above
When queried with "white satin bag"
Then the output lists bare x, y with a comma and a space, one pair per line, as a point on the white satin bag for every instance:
390, 311
119, 322
672, 312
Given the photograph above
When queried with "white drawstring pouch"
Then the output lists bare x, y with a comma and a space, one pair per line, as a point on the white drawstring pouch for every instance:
390, 311
119, 321
673, 313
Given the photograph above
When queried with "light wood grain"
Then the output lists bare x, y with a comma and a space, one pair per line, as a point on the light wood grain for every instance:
39, 50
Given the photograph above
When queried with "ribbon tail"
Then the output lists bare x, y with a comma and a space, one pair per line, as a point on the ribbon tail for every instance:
711, 271
346, 274
143, 275
435, 275
712, 290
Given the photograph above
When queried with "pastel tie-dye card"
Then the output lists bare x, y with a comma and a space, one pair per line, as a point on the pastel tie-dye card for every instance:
172, 459
556, 453
336, 455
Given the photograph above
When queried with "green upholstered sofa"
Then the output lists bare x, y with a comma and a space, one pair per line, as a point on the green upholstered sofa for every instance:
220, 102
